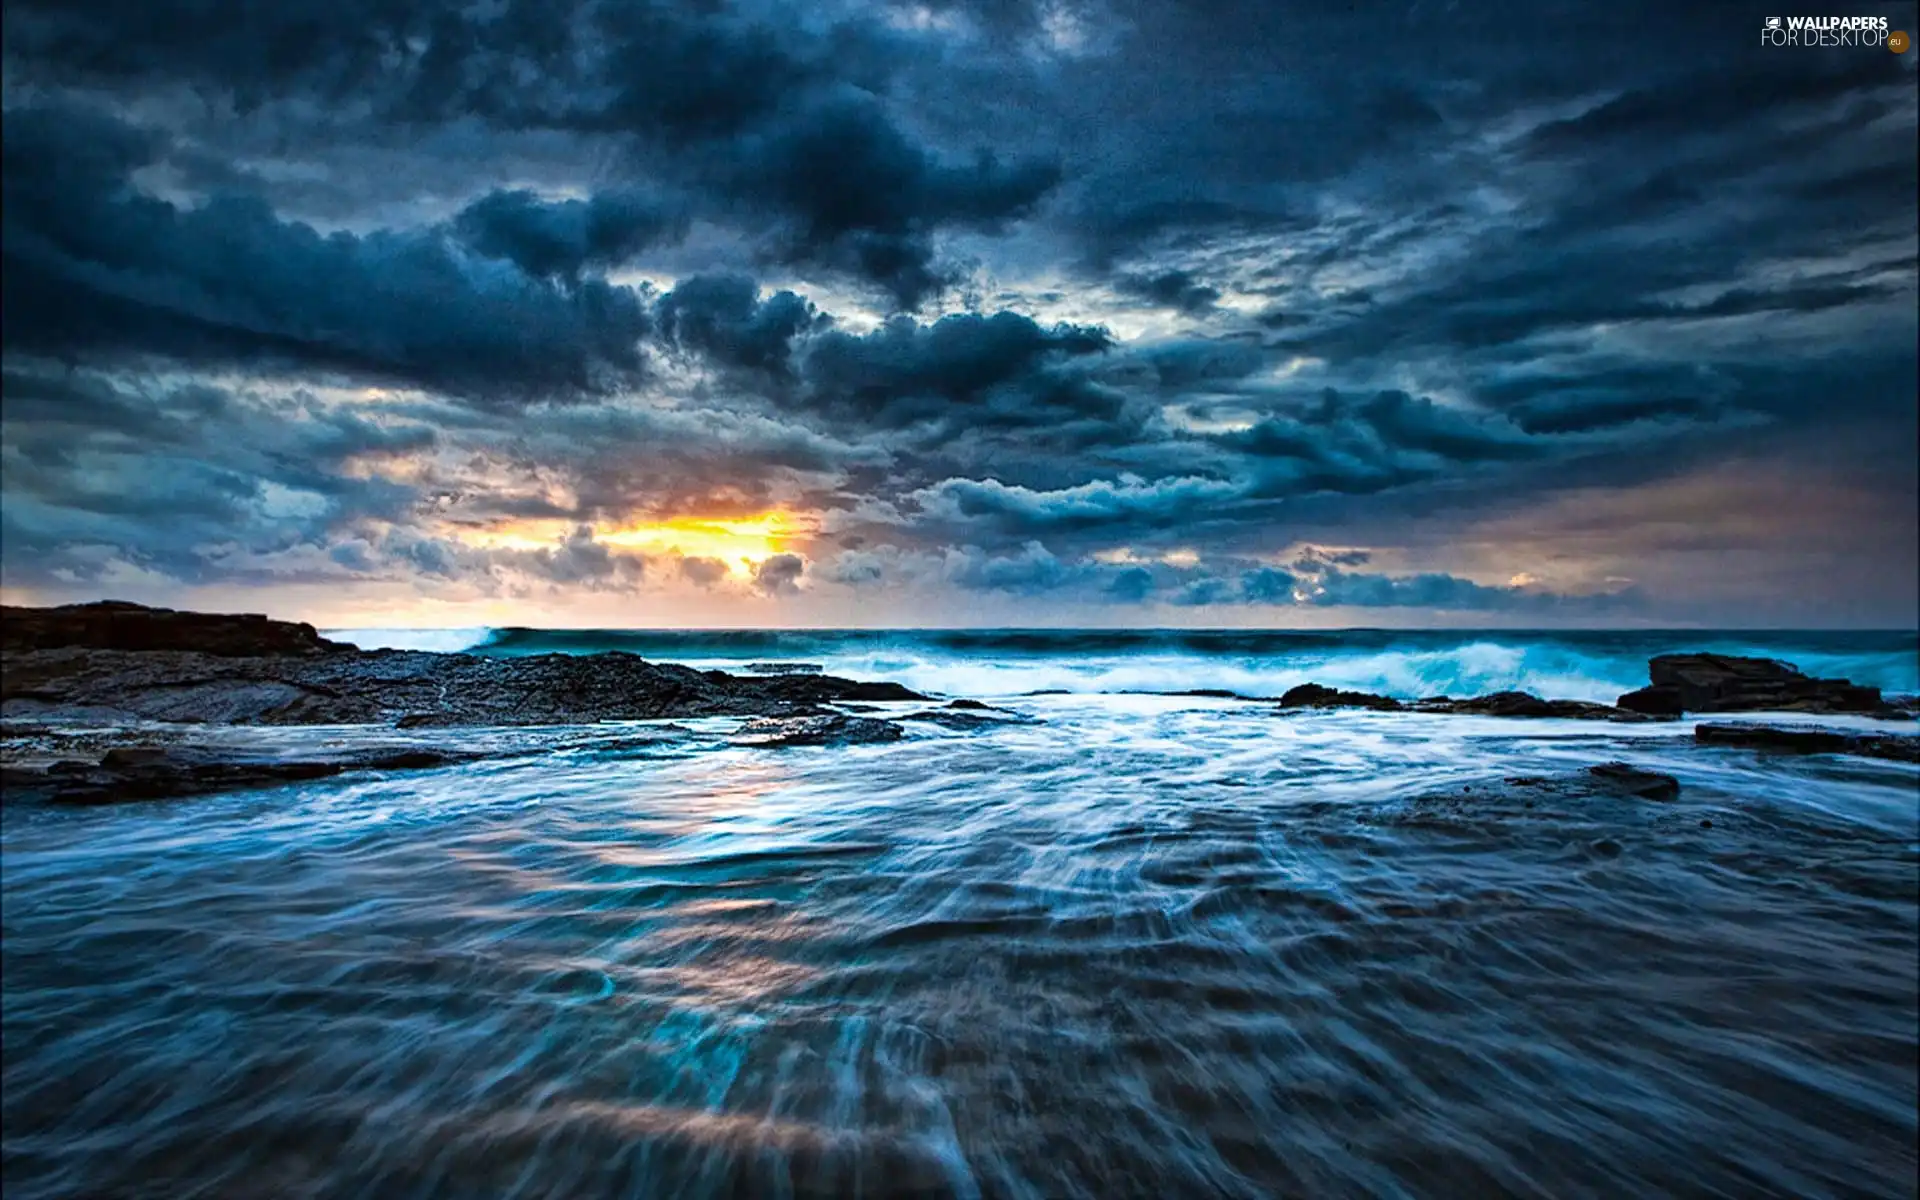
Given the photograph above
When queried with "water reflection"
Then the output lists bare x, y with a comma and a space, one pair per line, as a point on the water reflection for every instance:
1147, 948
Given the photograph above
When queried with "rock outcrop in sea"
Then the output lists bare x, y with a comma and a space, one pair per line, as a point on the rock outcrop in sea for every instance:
1683, 683
1680, 684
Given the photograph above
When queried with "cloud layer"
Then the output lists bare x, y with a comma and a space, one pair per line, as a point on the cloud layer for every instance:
894, 312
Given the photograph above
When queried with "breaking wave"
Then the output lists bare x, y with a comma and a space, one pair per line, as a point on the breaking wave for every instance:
1010, 662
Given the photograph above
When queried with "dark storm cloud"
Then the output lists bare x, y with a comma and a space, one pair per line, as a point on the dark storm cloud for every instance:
1231, 273
561, 238
770, 117
1172, 289
964, 370
97, 270
723, 318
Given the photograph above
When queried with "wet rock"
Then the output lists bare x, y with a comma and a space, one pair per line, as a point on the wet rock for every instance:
1526, 704
1496, 704
1314, 695
831, 729
236, 674
116, 625
1803, 739
1597, 802
968, 719
973, 705
1631, 780
1654, 702
132, 773
1731, 683
783, 668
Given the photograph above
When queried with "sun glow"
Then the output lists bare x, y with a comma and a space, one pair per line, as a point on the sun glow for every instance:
740, 542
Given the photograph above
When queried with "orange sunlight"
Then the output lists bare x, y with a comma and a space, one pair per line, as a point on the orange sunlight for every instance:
739, 542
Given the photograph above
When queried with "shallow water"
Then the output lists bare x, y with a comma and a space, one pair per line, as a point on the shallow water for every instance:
1141, 947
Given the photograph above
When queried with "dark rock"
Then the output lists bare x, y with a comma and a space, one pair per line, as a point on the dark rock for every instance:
116, 625
1801, 739
1594, 803
1207, 694
330, 684
157, 772
974, 705
1526, 704
831, 729
783, 668
1314, 695
1648, 785
1654, 702
1607, 848
1496, 704
967, 719
1730, 683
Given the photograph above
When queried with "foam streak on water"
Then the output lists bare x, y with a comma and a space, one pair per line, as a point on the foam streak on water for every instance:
1143, 947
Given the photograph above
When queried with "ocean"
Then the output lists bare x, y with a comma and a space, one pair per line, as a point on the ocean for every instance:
1135, 943
1582, 665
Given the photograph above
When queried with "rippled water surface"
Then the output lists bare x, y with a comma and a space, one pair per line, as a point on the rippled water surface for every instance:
1140, 947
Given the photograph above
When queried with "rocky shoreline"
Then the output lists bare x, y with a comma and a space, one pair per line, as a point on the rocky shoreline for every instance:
123, 662
112, 664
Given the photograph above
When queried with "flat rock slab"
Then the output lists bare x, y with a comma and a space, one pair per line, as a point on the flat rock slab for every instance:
414, 688
131, 773
1496, 704
1803, 739
968, 719
1607, 798
831, 729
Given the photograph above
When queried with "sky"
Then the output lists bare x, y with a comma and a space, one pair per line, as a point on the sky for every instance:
995, 312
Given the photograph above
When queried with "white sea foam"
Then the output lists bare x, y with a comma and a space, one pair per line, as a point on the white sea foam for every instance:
444, 641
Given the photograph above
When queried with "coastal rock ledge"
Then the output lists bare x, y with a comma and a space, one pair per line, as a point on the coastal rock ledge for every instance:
114, 662
1729, 683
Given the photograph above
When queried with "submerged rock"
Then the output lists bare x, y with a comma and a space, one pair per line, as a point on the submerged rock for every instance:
1604, 799
972, 716
1627, 778
1800, 739
1730, 683
131, 773
831, 729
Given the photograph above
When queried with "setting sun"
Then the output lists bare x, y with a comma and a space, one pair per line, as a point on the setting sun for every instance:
739, 542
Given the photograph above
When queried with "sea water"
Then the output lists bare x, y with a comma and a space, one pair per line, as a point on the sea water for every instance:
1134, 945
